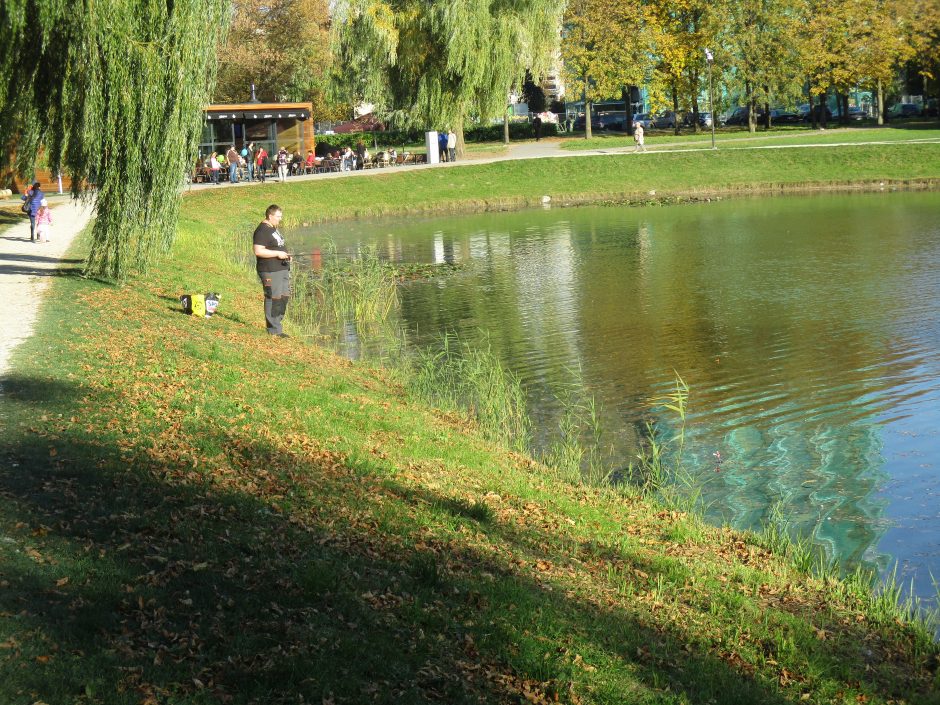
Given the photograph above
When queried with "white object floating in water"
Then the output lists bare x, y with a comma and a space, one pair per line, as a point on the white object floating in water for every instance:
653, 193
546, 199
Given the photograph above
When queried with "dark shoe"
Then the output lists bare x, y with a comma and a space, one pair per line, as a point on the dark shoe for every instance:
283, 335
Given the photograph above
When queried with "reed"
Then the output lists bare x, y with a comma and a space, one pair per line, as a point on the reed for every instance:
575, 451
359, 289
458, 377
659, 467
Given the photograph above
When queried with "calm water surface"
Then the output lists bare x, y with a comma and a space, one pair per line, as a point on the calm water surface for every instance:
806, 328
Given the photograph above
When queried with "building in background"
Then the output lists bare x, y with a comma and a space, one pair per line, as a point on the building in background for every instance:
268, 125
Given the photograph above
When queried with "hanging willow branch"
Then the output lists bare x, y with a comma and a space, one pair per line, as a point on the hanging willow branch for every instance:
434, 63
113, 92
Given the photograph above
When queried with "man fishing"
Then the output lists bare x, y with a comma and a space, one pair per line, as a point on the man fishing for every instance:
273, 265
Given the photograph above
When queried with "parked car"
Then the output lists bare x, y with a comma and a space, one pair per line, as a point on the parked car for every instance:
665, 119
855, 114
784, 117
804, 112
613, 121
904, 110
739, 116
704, 119
643, 119
597, 123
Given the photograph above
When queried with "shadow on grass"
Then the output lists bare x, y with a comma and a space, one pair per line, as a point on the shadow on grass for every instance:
238, 571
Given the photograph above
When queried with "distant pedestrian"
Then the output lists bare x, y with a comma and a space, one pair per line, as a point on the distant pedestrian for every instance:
638, 137
214, 168
451, 146
261, 163
360, 155
273, 267
537, 127
248, 154
33, 197
231, 157
283, 159
442, 145
43, 221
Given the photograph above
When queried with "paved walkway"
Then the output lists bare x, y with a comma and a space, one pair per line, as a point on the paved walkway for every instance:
26, 268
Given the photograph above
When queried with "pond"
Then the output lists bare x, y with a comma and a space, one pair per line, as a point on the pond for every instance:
807, 329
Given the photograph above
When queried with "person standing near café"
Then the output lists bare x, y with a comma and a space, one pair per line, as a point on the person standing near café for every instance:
273, 267
451, 146
360, 155
231, 157
261, 163
442, 145
248, 154
283, 160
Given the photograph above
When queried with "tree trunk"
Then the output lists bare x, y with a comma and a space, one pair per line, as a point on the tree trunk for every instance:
823, 109
696, 128
751, 104
812, 105
844, 108
458, 130
627, 110
767, 119
881, 104
506, 125
675, 109
587, 110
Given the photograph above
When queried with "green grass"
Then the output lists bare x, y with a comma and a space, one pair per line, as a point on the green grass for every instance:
518, 183
192, 512
728, 137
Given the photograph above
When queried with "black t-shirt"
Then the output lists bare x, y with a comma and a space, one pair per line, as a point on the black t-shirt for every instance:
269, 237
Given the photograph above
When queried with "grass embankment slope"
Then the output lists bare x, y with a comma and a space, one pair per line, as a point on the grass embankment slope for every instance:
570, 180
191, 512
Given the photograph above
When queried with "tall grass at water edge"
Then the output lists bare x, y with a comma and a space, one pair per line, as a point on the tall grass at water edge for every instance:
458, 377
357, 289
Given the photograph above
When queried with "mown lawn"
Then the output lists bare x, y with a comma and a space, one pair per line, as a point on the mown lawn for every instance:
783, 135
517, 183
191, 512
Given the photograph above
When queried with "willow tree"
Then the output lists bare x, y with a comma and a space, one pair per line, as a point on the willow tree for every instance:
112, 92
437, 63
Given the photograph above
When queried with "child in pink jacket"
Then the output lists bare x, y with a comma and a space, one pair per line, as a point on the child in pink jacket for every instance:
43, 221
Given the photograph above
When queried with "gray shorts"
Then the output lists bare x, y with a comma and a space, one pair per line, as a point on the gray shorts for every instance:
276, 284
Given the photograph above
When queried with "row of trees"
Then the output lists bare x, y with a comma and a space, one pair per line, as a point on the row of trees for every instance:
765, 51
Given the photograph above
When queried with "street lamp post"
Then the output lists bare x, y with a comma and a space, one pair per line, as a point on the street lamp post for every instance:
710, 59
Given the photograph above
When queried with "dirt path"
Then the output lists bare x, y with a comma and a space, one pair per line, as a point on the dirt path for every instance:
26, 268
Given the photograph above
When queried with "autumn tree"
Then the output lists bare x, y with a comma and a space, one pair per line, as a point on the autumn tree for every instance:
282, 47
114, 92
440, 63
760, 41
606, 47
684, 29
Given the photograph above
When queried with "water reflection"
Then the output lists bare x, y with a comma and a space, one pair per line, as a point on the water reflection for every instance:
807, 329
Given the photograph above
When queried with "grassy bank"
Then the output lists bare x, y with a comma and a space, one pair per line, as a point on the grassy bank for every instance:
786, 135
191, 512
512, 184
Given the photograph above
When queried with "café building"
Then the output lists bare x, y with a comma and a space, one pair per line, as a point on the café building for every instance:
268, 125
